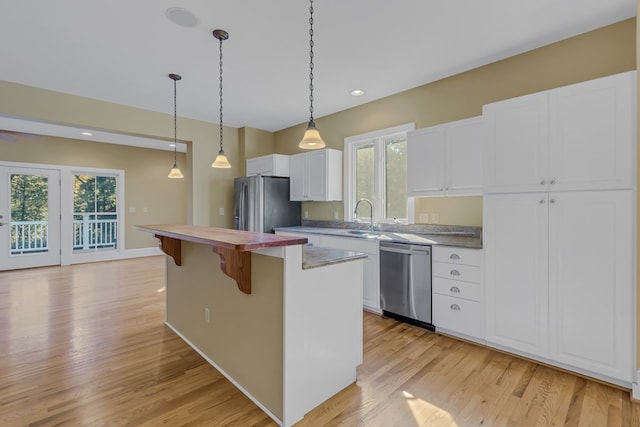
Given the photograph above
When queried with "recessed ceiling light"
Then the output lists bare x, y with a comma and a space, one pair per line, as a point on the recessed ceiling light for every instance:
357, 92
182, 17
87, 133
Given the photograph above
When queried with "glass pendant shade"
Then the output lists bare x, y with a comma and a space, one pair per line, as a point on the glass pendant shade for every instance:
175, 172
221, 161
311, 139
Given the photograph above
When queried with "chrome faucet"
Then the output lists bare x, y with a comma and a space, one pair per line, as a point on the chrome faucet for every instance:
355, 211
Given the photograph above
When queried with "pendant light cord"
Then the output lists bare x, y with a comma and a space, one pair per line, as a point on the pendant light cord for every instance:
175, 123
221, 94
311, 61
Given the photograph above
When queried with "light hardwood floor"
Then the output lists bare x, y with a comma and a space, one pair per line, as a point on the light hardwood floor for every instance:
86, 346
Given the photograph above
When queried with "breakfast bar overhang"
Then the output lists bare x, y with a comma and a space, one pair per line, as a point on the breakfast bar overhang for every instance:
279, 319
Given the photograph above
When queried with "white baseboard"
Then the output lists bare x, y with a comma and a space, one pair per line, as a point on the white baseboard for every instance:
114, 255
219, 369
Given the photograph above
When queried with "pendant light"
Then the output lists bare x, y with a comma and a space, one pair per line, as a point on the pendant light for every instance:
221, 159
175, 172
311, 139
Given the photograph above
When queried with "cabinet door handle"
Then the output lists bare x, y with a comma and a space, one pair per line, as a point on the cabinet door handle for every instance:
454, 273
542, 201
455, 289
552, 201
552, 182
454, 256
543, 182
454, 307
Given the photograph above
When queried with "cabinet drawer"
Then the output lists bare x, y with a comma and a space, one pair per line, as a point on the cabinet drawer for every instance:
465, 273
458, 315
457, 255
456, 288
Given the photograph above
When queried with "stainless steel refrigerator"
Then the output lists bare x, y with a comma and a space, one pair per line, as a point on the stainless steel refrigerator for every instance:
261, 203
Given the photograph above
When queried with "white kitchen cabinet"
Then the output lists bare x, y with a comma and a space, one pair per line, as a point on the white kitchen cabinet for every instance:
316, 176
457, 291
591, 281
371, 273
577, 137
559, 279
515, 240
269, 165
446, 159
371, 276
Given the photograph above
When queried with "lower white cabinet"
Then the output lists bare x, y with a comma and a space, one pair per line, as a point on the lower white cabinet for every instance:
457, 291
559, 279
371, 273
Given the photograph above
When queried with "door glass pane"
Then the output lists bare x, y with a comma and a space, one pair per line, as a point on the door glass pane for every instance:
29, 214
95, 218
365, 183
395, 178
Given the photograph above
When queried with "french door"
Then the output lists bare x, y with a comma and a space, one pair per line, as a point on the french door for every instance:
29, 217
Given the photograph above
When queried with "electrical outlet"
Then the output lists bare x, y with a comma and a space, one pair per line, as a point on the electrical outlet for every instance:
424, 218
306, 214
145, 210
207, 315
221, 211
435, 218
335, 215
132, 210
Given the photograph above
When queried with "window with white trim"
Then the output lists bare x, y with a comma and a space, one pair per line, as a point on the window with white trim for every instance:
375, 168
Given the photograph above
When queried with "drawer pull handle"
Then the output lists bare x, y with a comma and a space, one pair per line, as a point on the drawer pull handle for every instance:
454, 256
455, 289
454, 307
455, 273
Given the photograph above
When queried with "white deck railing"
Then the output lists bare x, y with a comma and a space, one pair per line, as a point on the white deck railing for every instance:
88, 233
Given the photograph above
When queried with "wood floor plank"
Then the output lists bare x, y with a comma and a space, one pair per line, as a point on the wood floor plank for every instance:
86, 345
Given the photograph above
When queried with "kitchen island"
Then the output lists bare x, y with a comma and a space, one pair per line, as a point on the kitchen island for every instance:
281, 320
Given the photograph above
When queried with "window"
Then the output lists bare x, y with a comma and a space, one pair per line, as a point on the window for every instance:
376, 170
95, 213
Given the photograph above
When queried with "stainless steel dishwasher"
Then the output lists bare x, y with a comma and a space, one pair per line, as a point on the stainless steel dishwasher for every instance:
405, 282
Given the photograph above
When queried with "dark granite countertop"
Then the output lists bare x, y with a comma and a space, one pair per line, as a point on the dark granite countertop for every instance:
314, 256
428, 237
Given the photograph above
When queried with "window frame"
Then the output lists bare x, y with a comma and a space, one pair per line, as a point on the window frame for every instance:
378, 138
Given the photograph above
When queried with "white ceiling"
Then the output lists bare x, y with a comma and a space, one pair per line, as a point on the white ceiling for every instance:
121, 51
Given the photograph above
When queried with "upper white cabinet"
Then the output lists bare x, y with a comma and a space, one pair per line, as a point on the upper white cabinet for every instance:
446, 159
316, 175
572, 138
269, 165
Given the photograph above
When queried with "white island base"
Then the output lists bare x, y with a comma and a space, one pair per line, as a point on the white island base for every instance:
292, 343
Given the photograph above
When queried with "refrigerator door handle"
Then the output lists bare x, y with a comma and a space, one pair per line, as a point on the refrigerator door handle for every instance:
243, 207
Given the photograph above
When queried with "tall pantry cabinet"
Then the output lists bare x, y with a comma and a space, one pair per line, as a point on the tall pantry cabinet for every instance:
559, 226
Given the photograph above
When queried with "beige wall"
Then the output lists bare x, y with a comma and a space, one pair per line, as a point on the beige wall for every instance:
449, 210
208, 189
146, 182
245, 333
606, 51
